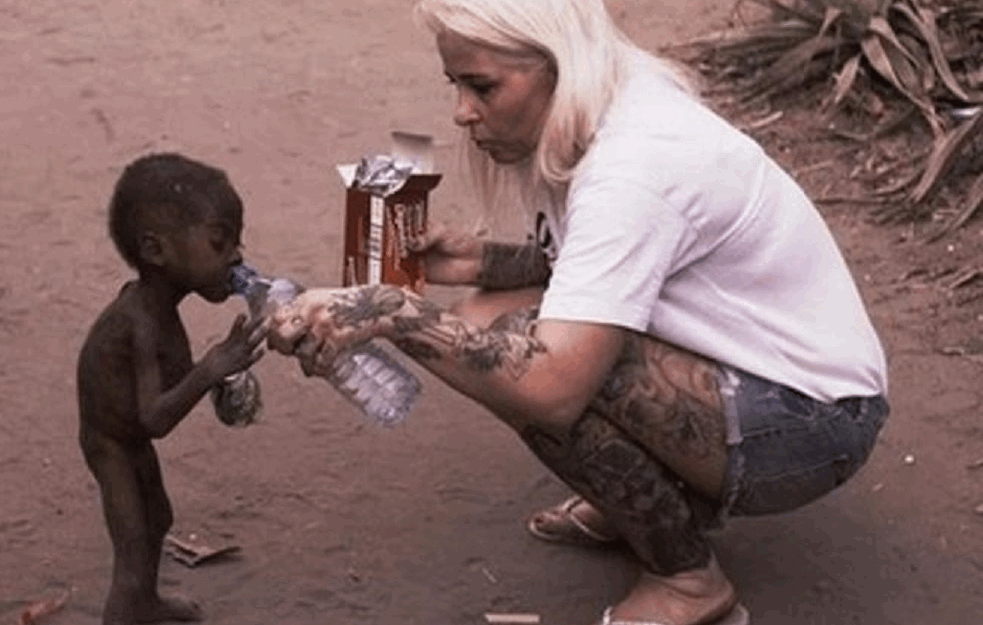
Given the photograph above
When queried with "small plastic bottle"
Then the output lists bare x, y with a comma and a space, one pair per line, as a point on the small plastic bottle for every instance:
366, 374
238, 399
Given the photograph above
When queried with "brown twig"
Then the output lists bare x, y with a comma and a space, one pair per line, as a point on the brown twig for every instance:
963, 278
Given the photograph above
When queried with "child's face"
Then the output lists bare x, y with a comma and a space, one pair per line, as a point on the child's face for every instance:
205, 252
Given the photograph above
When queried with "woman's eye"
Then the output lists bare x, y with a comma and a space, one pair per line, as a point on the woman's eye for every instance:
482, 88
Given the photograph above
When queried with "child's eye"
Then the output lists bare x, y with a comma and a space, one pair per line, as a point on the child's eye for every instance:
221, 237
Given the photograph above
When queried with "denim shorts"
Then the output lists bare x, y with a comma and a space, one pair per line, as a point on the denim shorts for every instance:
791, 449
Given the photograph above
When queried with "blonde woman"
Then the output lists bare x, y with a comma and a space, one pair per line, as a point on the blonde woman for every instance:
681, 342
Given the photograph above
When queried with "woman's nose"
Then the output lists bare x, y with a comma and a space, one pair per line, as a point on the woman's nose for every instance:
465, 113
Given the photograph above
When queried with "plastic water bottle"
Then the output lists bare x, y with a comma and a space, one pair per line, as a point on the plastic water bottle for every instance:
366, 374
238, 399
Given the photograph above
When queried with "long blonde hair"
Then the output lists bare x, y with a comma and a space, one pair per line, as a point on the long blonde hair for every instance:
589, 56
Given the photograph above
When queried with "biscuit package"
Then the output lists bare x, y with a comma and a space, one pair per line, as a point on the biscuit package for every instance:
386, 203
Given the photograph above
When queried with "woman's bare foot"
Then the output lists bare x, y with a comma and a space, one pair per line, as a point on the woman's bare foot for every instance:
574, 521
169, 609
690, 598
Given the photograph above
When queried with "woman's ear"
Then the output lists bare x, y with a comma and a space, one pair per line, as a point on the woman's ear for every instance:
151, 248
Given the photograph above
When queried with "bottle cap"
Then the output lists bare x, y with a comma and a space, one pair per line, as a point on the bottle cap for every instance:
240, 277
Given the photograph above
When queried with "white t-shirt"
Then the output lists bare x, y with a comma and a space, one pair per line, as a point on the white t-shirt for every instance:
680, 226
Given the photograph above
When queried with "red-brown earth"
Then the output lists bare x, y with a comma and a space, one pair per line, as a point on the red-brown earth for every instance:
340, 521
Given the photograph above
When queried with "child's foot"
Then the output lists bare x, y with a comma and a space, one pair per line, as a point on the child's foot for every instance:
690, 598
170, 609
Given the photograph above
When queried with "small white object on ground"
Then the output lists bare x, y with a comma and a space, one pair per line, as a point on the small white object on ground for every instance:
512, 619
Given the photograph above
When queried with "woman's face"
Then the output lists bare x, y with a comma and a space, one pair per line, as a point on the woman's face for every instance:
501, 100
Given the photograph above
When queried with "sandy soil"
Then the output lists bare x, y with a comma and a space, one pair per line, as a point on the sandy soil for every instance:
342, 522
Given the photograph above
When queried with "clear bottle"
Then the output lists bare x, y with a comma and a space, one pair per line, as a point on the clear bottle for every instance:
366, 374
238, 399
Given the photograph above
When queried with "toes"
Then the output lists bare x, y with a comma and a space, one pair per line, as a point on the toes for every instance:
173, 609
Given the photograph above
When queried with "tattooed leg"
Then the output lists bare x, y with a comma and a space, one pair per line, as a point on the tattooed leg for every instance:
639, 496
667, 400
661, 520
656, 424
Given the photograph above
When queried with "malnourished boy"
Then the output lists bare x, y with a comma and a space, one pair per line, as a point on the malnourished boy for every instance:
178, 223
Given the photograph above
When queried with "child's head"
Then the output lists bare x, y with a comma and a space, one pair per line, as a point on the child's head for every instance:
176, 215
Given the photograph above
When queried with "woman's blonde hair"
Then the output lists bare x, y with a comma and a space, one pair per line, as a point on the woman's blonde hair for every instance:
585, 50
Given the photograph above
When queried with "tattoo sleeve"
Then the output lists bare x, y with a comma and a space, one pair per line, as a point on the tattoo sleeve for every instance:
425, 331
366, 305
511, 266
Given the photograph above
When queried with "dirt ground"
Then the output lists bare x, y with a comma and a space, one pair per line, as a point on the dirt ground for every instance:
339, 521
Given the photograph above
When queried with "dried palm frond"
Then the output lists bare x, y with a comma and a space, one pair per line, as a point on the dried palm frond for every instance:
921, 55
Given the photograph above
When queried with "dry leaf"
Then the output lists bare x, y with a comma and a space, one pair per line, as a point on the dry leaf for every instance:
191, 554
924, 22
845, 79
38, 610
974, 199
928, 54
879, 58
944, 152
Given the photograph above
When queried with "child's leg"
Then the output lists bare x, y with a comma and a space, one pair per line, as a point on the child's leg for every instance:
159, 520
125, 479
115, 469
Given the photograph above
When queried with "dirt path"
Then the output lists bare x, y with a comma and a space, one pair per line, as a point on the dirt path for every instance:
340, 522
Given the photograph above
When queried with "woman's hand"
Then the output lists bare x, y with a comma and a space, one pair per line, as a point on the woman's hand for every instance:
449, 257
320, 323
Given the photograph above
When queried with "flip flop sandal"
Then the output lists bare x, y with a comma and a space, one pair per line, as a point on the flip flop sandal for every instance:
560, 525
739, 615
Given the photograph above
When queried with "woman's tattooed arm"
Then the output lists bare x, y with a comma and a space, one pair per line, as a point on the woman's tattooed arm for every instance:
510, 266
519, 367
426, 332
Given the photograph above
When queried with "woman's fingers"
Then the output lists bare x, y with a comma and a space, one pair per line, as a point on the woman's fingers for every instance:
291, 322
285, 334
423, 241
307, 328
439, 239
306, 351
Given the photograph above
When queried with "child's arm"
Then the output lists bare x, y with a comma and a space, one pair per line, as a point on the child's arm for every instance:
160, 409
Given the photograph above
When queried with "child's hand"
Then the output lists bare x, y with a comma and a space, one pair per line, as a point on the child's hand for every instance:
240, 349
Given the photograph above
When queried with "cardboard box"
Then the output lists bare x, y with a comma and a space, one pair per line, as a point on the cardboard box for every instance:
377, 226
